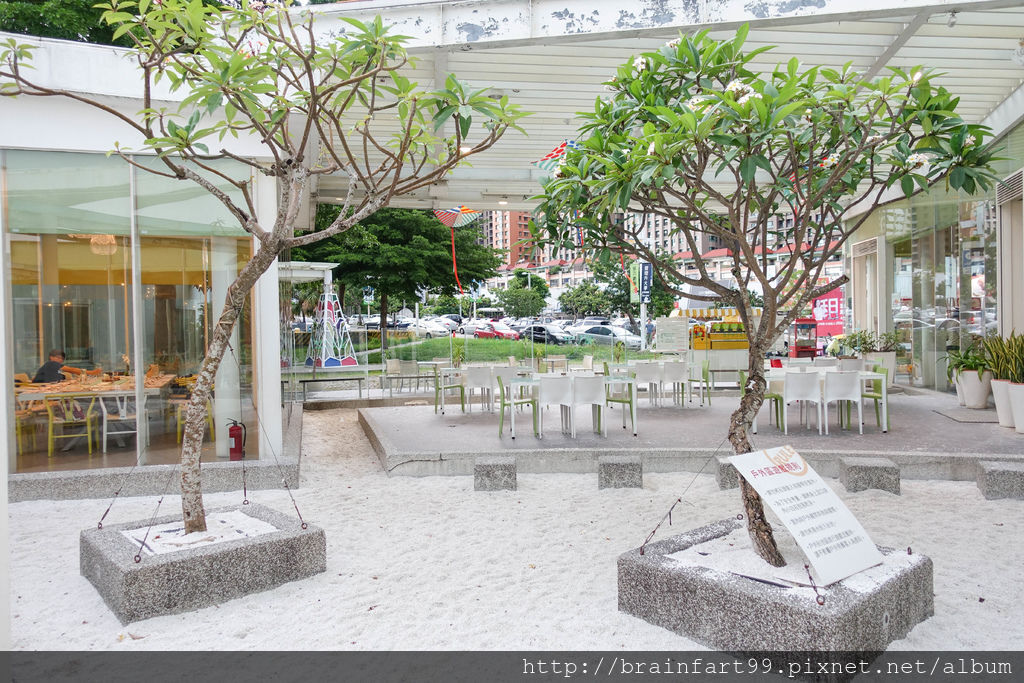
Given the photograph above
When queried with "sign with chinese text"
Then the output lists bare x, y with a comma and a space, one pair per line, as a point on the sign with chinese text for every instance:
633, 278
673, 335
828, 312
646, 281
833, 540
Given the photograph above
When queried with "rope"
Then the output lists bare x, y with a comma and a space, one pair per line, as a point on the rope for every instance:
273, 451
142, 543
668, 515
99, 524
455, 267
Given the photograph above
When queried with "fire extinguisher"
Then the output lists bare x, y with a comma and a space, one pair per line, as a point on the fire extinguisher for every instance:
236, 439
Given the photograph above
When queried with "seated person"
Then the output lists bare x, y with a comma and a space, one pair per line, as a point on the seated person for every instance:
53, 369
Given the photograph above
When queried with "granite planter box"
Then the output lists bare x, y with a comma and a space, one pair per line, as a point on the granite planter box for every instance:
729, 612
190, 579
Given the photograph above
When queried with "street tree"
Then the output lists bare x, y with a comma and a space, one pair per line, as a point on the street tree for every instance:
610, 273
694, 133
585, 299
399, 252
524, 279
519, 302
263, 72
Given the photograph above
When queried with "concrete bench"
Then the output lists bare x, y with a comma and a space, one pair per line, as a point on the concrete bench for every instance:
726, 475
859, 474
619, 471
1001, 479
495, 473
360, 378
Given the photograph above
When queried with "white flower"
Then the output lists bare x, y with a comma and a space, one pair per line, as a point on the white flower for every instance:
738, 88
749, 96
650, 150
830, 161
918, 162
674, 43
874, 140
696, 101
639, 63
917, 76
609, 87
969, 141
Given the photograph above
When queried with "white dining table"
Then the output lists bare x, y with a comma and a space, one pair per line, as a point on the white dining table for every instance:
779, 375
532, 382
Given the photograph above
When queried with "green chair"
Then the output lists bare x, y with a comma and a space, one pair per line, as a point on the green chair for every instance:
72, 411
776, 400
439, 387
875, 392
704, 383
623, 395
513, 402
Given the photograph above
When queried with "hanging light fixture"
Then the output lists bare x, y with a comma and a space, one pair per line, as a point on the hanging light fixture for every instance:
102, 245
951, 19
1017, 56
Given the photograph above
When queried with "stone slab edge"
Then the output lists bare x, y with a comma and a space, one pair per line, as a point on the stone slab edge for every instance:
999, 479
713, 608
196, 578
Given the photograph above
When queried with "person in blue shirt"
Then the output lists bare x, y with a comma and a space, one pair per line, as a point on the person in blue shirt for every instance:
53, 370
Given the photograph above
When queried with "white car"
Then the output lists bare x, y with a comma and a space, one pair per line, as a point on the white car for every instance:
427, 328
446, 323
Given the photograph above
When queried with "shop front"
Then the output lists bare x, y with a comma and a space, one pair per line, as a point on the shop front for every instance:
123, 272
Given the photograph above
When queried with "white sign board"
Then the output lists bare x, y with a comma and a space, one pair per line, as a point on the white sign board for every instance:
673, 335
830, 536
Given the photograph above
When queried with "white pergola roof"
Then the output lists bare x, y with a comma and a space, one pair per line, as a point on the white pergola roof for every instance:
552, 57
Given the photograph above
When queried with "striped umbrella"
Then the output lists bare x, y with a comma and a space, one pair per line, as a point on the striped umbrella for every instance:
555, 157
453, 218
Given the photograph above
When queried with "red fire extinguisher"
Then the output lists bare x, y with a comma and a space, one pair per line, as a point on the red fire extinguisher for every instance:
236, 439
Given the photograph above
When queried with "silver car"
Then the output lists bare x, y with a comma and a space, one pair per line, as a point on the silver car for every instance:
607, 335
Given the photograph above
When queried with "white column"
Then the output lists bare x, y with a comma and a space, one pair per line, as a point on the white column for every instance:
7, 414
227, 389
266, 353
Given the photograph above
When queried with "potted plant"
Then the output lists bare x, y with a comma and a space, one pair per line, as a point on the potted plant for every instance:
998, 353
1015, 363
969, 368
877, 348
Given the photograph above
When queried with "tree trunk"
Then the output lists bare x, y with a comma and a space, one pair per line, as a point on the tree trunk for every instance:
194, 516
757, 525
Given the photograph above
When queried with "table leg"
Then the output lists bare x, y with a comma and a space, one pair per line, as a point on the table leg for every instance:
632, 408
885, 404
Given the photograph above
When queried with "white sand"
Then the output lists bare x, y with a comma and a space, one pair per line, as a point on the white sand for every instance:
220, 527
427, 563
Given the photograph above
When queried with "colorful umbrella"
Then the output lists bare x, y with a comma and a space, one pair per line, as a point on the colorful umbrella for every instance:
457, 217
555, 157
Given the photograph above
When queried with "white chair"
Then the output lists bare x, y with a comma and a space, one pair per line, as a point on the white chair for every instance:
410, 371
824, 362
651, 375
589, 390
843, 386
800, 386
120, 417
851, 364
507, 374
773, 398
676, 374
479, 377
556, 390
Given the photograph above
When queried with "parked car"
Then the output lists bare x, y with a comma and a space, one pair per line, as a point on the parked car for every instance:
496, 331
470, 326
547, 334
577, 327
428, 328
444, 322
454, 316
607, 335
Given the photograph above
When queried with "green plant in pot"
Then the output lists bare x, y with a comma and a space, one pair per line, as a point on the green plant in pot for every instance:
969, 368
619, 352
1015, 373
998, 352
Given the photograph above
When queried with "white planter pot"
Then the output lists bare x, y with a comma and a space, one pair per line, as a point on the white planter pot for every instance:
886, 359
1001, 394
1017, 406
975, 390
959, 391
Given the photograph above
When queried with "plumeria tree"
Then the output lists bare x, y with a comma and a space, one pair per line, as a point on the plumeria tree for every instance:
695, 133
319, 106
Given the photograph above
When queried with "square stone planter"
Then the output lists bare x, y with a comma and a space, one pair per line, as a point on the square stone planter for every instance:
729, 612
190, 579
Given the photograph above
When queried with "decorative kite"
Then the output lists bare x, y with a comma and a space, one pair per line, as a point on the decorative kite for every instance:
456, 218
555, 157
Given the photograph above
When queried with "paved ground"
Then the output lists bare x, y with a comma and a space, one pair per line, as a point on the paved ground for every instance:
412, 439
